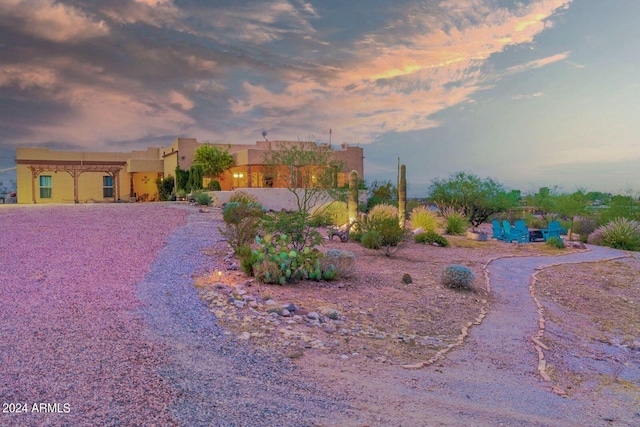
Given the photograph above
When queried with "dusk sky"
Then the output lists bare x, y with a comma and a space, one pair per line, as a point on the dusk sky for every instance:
530, 93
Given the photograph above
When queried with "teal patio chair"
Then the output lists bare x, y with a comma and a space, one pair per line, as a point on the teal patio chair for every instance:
509, 232
498, 233
552, 230
523, 231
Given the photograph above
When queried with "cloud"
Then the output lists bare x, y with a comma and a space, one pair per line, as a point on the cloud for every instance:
241, 67
538, 63
397, 77
528, 96
50, 20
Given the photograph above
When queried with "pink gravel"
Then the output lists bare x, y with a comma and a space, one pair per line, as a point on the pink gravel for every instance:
69, 332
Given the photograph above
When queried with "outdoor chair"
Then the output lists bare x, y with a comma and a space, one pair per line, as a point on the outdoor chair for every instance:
507, 230
497, 230
552, 230
523, 231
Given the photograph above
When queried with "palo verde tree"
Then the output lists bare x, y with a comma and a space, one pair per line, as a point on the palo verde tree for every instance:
309, 171
478, 198
213, 160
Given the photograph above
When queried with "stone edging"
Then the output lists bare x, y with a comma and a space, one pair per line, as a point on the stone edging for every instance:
538, 345
483, 313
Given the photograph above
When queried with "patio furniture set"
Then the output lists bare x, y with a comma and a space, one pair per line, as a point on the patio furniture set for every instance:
520, 233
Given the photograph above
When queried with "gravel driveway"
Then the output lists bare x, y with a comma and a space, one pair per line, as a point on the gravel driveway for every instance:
101, 326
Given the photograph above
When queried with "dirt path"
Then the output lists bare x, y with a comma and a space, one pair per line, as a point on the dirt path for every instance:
491, 380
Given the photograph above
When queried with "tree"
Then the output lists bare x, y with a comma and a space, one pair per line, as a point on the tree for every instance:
182, 179
545, 201
309, 171
477, 198
195, 177
571, 206
213, 160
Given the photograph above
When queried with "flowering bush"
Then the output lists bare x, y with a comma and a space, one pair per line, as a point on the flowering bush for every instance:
457, 277
621, 233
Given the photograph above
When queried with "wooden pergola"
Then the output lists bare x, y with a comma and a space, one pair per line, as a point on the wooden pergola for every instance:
75, 168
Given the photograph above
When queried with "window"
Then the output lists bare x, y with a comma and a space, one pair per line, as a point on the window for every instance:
107, 186
45, 186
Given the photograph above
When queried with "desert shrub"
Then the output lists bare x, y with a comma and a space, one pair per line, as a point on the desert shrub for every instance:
371, 239
555, 242
248, 258
242, 222
243, 197
621, 233
203, 199
457, 277
422, 217
331, 213
456, 222
431, 237
383, 211
584, 226
213, 185
343, 262
391, 232
295, 225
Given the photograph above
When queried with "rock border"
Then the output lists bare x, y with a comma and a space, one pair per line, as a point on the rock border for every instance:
538, 345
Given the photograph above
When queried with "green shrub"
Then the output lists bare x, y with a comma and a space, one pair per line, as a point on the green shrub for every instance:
248, 258
555, 242
431, 237
391, 232
423, 217
331, 213
383, 211
371, 239
342, 262
456, 221
243, 197
213, 185
621, 233
242, 222
203, 199
457, 277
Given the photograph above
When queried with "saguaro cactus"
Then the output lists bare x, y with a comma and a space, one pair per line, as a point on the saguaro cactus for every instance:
353, 196
402, 195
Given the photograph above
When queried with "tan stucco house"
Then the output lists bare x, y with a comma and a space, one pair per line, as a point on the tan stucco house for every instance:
51, 176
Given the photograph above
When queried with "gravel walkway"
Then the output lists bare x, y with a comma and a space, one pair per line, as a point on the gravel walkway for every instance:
493, 378
221, 381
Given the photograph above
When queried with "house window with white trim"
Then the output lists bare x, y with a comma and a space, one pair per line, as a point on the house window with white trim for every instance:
45, 186
107, 186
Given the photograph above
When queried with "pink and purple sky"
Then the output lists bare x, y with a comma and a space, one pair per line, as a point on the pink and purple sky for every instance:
531, 93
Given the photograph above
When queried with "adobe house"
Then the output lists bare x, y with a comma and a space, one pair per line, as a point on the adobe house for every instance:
48, 176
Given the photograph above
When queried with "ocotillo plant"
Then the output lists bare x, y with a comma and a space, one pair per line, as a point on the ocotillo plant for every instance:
353, 196
402, 195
